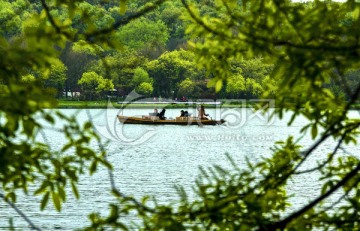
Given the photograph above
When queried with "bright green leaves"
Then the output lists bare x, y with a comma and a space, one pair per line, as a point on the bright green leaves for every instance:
314, 131
138, 34
54, 190
123, 6
170, 69
44, 201
186, 87
145, 89
63, 170
142, 82
56, 200
92, 84
286, 34
25, 160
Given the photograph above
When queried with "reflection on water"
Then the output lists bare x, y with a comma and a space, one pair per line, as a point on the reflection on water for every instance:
150, 160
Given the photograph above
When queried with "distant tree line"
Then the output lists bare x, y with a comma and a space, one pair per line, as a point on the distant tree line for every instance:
154, 57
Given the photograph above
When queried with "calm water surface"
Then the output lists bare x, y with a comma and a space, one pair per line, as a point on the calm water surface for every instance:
150, 160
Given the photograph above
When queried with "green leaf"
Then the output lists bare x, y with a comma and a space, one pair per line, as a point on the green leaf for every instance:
49, 118
42, 188
56, 201
11, 196
44, 201
71, 173
314, 131
218, 85
123, 6
62, 193
93, 167
87, 125
66, 147
74, 189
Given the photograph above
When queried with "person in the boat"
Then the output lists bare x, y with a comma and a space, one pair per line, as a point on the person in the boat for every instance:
202, 115
162, 114
155, 113
186, 114
182, 113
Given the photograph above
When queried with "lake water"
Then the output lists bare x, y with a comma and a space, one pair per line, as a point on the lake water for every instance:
150, 160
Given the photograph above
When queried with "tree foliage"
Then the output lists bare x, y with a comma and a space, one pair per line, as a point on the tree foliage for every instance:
143, 34
169, 69
186, 87
141, 76
92, 83
144, 88
311, 45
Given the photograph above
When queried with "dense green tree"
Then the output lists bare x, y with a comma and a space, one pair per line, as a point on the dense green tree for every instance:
186, 88
235, 86
146, 36
93, 85
144, 88
12, 13
247, 78
171, 15
170, 69
120, 67
76, 62
141, 76
56, 78
252, 68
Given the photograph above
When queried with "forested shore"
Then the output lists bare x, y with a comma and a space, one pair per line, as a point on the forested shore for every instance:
152, 56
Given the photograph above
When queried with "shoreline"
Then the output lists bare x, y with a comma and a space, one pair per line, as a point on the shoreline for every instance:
104, 105
62, 104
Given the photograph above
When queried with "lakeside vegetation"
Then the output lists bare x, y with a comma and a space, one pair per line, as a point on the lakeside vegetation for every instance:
305, 56
118, 104
154, 58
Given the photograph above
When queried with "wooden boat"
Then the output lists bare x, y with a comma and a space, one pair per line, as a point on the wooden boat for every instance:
154, 120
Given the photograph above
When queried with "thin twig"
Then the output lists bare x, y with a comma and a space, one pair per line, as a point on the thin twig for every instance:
327, 160
331, 129
112, 181
23, 216
342, 197
52, 21
282, 224
201, 22
125, 20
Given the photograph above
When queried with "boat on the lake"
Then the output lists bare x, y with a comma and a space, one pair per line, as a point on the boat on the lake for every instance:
155, 120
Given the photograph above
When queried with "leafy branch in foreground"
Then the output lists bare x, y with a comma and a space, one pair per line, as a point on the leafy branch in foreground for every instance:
26, 156
307, 43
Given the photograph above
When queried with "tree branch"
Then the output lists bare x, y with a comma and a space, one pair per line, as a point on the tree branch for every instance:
282, 224
331, 129
328, 159
199, 21
125, 20
12, 205
52, 21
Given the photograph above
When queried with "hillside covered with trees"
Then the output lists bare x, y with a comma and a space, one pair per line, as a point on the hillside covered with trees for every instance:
154, 56
304, 56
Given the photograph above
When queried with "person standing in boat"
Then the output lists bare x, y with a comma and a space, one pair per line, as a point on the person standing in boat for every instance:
202, 115
182, 113
162, 114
